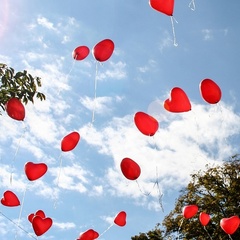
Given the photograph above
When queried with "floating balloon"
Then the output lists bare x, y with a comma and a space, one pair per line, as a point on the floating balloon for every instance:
163, 6
80, 53
120, 219
10, 199
204, 218
34, 171
89, 235
130, 169
145, 123
103, 50
190, 211
15, 109
41, 225
230, 225
178, 101
39, 213
210, 91
70, 141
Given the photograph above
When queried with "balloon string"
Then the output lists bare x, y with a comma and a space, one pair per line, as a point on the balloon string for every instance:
58, 179
173, 31
106, 230
180, 227
73, 63
95, 93
29, 234
192, 5
20, 213
207, 232
16, 152
160, 194
230, 236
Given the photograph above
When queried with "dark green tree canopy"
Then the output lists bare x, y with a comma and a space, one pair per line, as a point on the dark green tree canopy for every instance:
215, 191
155, 234
21, 85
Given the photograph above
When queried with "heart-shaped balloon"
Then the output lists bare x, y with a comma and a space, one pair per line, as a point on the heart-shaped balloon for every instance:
163, 6
120, 219
39, 213
80, 53
41, 225
34, 171
10, 199
210, 91
103, 50
230, 225
90, 234
190, 211
145, 123
70, 141
178, 101
204, 218
15, 109
130, 169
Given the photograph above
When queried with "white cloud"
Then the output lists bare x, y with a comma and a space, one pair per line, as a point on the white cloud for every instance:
46, 23
64, 225
100, 105
115, 71
184, 143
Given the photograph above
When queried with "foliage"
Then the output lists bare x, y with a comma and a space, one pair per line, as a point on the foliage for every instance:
216, 192
21, 85
155, 234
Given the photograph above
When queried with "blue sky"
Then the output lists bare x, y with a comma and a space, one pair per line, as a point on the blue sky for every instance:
39, 36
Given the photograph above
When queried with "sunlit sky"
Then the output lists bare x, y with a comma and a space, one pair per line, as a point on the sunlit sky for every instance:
85, 188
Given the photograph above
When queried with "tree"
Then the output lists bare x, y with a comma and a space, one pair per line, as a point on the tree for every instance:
155, 234
215, 191
21, 85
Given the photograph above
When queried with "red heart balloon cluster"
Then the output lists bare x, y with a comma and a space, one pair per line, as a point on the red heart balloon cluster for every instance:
40, 222
179, 101
102, 51
10, 199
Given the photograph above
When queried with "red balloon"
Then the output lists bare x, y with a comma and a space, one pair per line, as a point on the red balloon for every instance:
10, 199
204, 218
15, 109
210, 91
39, 213
130, 169
80, 52
41, 225
145, 123
120, 219
163, 6
70, 141
103, 50
89, 235
178, 101
34, 171
190, 211
230, 225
